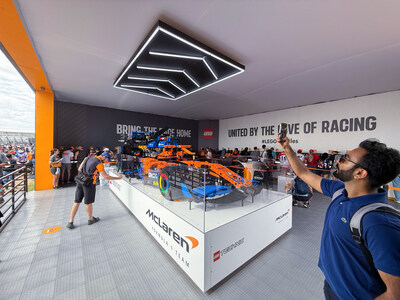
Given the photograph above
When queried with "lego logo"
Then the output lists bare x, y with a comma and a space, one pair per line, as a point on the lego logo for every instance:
217, 255
208, 133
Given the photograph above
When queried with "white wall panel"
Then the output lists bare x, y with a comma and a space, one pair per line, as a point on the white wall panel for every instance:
379, 115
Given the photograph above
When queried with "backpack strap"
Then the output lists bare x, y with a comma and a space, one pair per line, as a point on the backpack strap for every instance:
337, 194
83, 169
356, 230
355, 224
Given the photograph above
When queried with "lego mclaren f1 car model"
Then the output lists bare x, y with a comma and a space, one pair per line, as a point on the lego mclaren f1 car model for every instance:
180, 177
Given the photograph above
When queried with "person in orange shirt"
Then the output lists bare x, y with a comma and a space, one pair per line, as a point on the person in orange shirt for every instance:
92, 165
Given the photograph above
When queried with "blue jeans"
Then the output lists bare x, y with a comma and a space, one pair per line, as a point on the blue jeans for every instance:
396, 183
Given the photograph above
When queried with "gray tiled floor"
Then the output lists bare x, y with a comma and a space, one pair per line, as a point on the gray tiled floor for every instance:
117, 259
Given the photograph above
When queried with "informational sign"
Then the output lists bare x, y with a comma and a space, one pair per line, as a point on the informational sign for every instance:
328, 126
236, 242
127, 129
78, 124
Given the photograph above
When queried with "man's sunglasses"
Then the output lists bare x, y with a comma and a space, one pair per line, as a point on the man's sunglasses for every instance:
345, 157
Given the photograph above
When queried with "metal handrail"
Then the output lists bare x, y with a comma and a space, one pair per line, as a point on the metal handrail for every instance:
17, 186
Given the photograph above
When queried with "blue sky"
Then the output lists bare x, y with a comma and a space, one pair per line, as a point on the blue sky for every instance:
17, 100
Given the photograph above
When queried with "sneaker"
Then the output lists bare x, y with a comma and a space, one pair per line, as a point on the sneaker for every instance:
94, 220
295, 203
306, 205
70, 225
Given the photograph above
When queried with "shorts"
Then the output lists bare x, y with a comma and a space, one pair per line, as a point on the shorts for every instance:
66, 166
303, 198
85, 191
54, 170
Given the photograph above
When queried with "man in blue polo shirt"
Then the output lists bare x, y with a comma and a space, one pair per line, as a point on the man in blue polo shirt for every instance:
347, 272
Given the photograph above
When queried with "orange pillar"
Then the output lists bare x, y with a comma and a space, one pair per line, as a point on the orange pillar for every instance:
43, 139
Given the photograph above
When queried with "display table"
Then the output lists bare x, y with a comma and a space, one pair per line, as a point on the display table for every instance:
208, 256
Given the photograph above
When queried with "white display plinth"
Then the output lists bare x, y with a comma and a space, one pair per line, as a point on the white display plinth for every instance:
207, 257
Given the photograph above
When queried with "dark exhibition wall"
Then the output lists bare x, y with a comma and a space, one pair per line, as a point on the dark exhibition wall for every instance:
92, 126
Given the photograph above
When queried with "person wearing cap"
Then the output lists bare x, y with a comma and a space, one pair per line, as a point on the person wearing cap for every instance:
300, 155
92, 165
106, 153
311, 159
21, 156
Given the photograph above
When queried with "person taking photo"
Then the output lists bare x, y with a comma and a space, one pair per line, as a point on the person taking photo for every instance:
361, 171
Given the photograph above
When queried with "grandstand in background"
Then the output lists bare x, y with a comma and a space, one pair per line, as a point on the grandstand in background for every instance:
12, 138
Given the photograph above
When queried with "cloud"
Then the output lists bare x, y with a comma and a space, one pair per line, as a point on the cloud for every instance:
17, 100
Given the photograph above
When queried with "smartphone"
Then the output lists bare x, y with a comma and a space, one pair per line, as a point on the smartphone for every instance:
283, 131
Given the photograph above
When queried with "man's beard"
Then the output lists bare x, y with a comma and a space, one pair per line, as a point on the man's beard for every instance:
343, 175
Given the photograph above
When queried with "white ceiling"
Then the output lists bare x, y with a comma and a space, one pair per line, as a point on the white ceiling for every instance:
296, 52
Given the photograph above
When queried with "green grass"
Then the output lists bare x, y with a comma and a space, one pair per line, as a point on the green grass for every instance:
31, 185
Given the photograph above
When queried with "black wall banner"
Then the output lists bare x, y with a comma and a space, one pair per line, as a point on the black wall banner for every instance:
78, 124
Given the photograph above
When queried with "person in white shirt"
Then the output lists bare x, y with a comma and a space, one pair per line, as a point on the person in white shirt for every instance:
66, 164
300, 155
264, 154
209, 154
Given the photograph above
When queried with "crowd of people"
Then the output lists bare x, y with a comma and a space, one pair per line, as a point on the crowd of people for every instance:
321, 164
18, 154
64, 164
13, 157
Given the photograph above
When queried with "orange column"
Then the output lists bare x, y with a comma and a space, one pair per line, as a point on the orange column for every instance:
43, 139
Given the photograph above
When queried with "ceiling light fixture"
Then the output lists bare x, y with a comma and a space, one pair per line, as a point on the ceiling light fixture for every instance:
159, 69
191, 78
158, 79
175, 55
164, 54
147, 88
209, 67
199, 48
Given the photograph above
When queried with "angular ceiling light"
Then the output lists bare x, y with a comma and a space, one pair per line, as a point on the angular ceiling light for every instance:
169, 64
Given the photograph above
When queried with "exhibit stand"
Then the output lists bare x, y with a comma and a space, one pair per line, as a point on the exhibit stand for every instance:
207, 244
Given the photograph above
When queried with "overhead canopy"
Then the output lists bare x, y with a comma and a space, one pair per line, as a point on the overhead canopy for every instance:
295, 52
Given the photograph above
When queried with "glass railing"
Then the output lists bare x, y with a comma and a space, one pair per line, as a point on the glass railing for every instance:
12, 194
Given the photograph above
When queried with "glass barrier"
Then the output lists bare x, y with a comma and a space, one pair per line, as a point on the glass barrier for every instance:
209, 193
